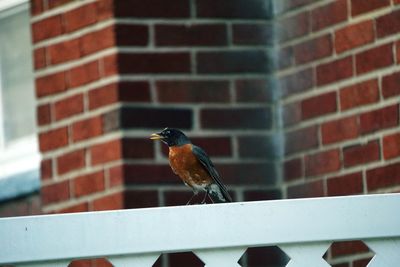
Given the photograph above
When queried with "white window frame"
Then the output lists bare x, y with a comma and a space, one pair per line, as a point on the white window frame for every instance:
19, 159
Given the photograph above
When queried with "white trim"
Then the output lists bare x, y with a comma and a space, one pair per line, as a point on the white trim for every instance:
293, 225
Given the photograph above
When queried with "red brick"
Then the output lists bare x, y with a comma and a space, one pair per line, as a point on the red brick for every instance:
253, 90
379, 119
177, 198
306, 190
47, 28
152, 9
296, 82
293, 169
36, 7
285, 57
105, 152
80, 17
193, 91
84, 74
71, 161
255, 9
360, 94
361, 6
39, 58
361, 154
46, 169
255, 173
88, 184
383, 177
334, 71
55, 192
293, 27
235, 118
375, 58
136, 91
349, 184
252, 34
104, 9
330, 14
322, 162
135, 199
43, 114
146, 174
354, 35
396, 2
215, 146
398, 52
339, 130
81, 207
343, 248
287, 5
390, 85
257, 195
161, 62
300, 140
64, 51
318, 105
137, 148
191, 35
50, 84
291, 113
391, 146
132, 35
362, 262
388, 24
56, 3
68, 107
109, 202
258, 146
246, 61
53, 139
87, 128
313, 49
97, 40
103, 96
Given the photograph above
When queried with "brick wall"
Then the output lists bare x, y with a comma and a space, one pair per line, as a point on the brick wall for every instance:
340, 102
314, 88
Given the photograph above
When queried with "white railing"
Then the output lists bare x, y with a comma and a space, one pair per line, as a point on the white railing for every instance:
218, 234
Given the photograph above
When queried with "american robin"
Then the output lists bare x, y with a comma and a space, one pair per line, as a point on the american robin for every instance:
193, 166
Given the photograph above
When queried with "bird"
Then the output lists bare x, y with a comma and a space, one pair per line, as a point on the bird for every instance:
193, 166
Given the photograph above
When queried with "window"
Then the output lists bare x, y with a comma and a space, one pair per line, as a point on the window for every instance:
19, 156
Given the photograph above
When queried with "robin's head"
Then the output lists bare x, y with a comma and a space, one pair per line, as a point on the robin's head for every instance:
171, 137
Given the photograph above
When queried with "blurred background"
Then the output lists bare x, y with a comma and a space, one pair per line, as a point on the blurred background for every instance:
290, 98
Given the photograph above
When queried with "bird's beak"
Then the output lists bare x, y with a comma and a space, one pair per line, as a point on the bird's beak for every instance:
156, 136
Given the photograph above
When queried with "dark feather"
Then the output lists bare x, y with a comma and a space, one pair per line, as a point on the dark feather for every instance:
202, 156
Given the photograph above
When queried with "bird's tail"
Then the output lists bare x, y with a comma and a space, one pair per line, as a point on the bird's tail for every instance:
219, 195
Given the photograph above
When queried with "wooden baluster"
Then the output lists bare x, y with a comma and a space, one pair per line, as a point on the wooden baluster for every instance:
226, 257
387, 252
306, 255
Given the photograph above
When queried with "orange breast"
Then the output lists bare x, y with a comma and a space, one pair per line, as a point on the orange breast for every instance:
187, 166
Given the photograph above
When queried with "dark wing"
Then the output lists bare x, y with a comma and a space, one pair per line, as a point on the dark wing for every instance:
202, 156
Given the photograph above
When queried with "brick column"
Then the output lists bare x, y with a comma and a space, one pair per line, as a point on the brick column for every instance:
109, 73
340, 104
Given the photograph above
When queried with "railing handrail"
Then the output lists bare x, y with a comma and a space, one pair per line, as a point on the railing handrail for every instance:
198, 227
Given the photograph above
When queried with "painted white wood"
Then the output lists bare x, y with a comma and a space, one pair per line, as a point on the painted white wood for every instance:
226, 257
387, 252
307, 254
198, 228
143, 260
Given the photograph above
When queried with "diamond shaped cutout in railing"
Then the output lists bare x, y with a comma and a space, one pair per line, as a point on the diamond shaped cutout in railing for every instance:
182, 259
270, 256
345, 252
